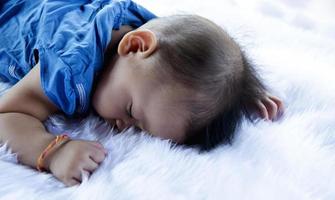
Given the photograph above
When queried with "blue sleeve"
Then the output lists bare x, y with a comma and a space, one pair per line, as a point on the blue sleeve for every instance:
67, 49
56, 81
136, 15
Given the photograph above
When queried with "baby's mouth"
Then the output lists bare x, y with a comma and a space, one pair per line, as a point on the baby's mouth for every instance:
114, 126
111, 122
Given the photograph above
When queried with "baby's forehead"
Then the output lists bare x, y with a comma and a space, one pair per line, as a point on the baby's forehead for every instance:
169, 117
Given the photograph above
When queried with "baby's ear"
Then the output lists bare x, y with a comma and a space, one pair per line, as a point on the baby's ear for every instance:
142, 41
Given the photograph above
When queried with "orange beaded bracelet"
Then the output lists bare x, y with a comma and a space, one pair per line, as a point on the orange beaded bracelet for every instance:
59, 140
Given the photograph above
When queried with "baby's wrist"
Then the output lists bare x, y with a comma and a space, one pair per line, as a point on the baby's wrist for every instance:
45, 158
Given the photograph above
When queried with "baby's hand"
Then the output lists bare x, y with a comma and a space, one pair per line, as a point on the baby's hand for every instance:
69, 161
269, 107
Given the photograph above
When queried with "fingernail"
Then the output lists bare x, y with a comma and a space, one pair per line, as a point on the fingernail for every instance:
98, 145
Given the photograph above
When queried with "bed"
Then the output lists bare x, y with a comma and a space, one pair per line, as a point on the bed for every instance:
293, 45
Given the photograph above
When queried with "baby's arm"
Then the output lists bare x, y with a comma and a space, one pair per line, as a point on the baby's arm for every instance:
22, 110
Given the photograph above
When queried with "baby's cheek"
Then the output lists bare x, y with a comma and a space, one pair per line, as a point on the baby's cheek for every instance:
99, 107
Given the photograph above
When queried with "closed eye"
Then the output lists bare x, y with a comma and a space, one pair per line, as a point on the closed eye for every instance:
129, 110
130, 114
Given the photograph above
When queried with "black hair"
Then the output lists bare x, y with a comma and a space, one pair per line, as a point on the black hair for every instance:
222, 128
201, 56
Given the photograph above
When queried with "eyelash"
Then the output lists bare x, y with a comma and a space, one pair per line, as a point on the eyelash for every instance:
129, 111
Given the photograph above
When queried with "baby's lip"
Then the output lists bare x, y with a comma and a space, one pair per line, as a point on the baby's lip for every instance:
112, 122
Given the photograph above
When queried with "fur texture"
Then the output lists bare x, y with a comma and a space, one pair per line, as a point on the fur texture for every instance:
293, 158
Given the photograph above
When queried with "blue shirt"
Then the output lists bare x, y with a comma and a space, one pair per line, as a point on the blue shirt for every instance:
70, 37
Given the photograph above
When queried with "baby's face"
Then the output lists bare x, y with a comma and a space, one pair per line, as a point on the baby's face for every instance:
129, 94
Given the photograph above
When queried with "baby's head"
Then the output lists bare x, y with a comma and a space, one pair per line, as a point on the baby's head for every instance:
181, 78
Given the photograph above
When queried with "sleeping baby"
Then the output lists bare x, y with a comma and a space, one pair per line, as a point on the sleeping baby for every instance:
180, 77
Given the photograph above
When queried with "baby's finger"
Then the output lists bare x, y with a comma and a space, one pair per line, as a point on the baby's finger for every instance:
280, 105
99, 146
85, 175
91, 165
78, 175
97, 156
278, 101
262, 109
271, 107
72, 182
275, 98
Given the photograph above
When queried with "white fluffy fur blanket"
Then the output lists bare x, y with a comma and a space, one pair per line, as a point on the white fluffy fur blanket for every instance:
293, 44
